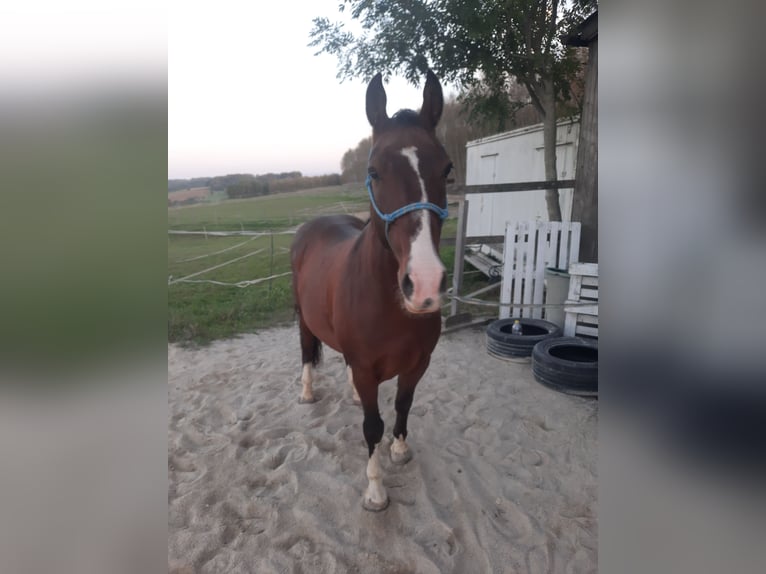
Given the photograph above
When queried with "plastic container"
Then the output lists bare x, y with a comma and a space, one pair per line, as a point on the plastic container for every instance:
556, 291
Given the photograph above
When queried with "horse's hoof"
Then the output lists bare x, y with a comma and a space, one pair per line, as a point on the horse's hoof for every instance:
372, 506
303, 401
401, 457
400, 452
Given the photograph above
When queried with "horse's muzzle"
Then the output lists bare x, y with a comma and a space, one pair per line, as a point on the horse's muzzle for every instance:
423, 298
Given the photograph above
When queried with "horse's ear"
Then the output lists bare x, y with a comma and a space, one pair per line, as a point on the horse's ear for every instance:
376, 102
433, 101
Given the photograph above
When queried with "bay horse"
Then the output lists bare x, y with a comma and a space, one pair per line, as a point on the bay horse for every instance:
372, 290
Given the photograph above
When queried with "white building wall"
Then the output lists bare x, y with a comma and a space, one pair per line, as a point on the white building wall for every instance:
511, 157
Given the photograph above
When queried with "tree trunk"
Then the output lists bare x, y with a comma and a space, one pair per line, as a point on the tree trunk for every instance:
585, 198
548, 101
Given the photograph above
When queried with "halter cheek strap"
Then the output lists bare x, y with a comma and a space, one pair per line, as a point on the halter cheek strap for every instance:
390, 217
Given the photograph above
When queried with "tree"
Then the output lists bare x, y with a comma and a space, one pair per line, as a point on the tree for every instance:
484, 46
353, 164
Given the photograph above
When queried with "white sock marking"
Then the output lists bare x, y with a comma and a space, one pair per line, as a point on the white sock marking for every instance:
376, 493
399, 447
307, 379
350, 375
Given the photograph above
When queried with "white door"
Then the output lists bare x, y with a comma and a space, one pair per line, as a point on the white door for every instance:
487, 176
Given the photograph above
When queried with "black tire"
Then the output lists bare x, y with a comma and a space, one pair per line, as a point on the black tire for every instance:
503, 344
567, 364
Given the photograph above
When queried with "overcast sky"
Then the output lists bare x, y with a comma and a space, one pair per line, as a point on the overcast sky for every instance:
246, 93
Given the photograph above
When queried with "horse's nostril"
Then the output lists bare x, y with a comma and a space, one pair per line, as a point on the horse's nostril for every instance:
427, 303
443, 284
407, 286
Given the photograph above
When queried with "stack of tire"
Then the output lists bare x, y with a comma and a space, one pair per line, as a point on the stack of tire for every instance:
503, 344
565, 364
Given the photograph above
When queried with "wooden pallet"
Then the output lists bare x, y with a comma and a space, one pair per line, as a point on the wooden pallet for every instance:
583, 288
530, 247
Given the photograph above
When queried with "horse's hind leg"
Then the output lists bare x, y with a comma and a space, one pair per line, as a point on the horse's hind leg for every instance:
311, 354
405, 391
350, 376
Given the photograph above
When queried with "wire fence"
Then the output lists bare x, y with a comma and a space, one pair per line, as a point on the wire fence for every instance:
269, 251
240, 284
172, 281
250, 282
216, 252
254, 234
497, 304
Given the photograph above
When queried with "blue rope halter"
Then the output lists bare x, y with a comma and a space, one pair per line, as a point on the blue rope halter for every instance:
390, 217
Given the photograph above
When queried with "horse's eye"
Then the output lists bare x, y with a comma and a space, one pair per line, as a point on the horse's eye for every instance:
372, 173
447, 171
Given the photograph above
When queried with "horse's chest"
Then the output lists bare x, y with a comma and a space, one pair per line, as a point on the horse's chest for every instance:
393, 351
403, 358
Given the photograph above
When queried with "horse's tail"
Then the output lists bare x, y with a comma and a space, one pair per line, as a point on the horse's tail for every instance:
315, 352
311, 346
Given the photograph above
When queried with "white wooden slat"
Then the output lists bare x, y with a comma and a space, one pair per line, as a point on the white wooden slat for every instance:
530, 270
551, 257
589, 294
590, 281
518, 271
508, 257
574, 244
590, 269
563, 260
542, 228
589, 331
582, 310
575, 285
511, 258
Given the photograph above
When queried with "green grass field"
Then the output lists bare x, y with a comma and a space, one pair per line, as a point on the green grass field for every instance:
269, 212
202, 312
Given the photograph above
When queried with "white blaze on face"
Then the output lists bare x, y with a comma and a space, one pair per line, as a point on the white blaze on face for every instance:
426, 269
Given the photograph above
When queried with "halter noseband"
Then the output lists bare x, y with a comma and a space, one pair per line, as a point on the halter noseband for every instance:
390, 217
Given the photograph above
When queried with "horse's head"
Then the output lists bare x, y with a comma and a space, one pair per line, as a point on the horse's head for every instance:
407, 178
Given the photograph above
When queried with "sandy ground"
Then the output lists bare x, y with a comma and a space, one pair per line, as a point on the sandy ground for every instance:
503, 477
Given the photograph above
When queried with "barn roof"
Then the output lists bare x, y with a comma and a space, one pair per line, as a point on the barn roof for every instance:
584, 34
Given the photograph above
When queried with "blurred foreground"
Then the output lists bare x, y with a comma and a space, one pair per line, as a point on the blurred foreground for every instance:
83, 419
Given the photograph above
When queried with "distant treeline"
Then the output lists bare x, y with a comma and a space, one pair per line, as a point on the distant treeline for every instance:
263, 185
249, 185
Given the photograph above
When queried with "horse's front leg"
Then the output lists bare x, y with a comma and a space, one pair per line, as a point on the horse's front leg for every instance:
405, 390
375, 497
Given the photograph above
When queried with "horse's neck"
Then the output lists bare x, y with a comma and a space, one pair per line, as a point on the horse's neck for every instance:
376, 262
